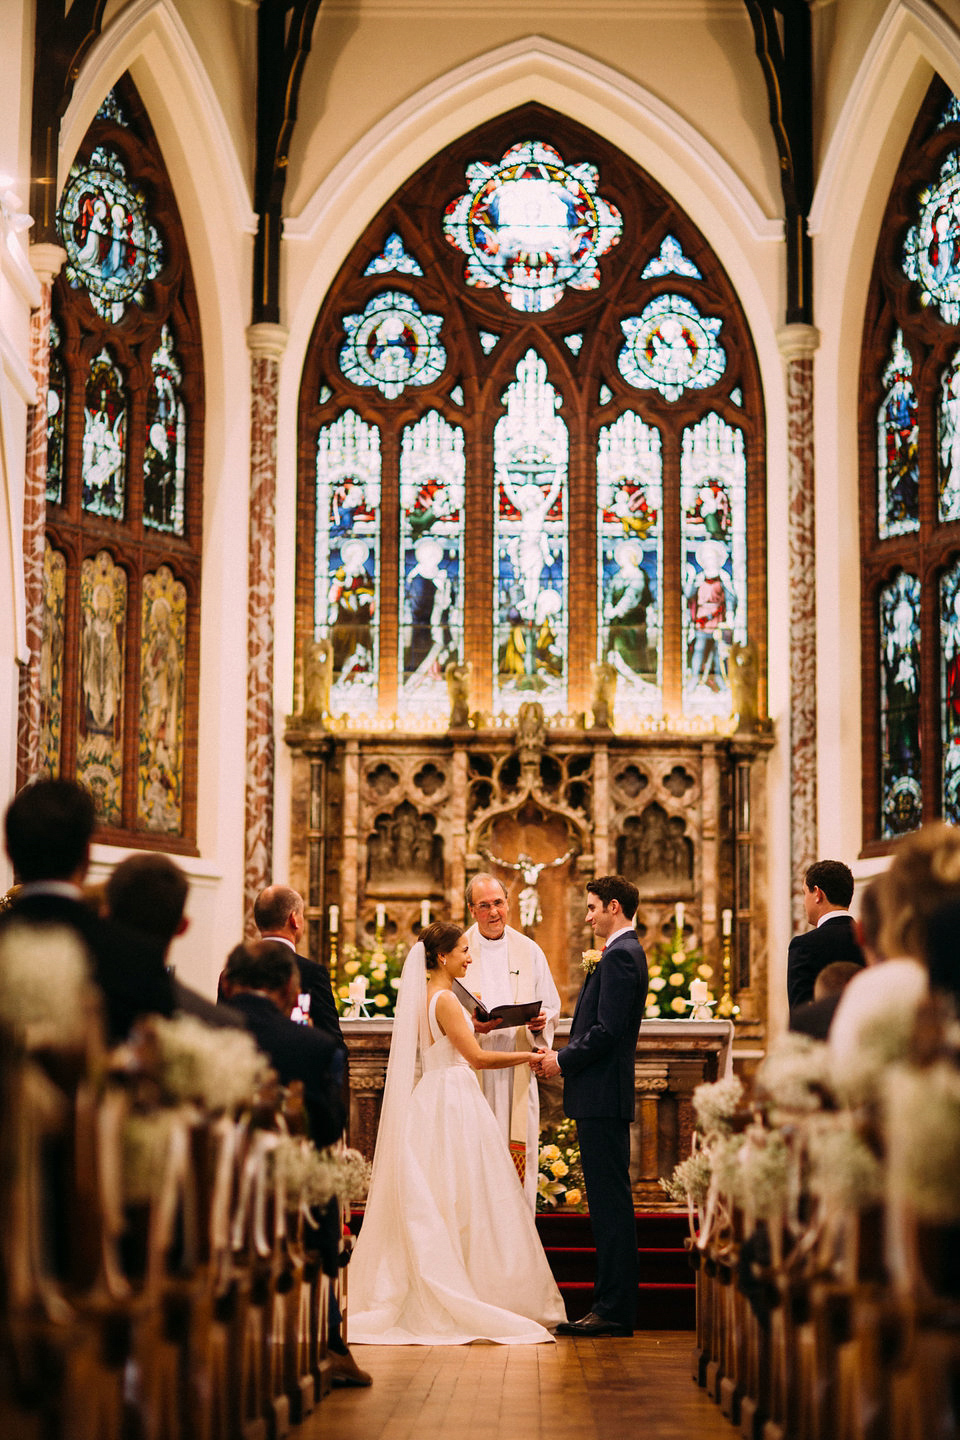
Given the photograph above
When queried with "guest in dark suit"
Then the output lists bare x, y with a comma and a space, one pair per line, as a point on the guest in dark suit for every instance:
813, 1017
278, 915
827, 892
149, 893
597, 1066
49, 826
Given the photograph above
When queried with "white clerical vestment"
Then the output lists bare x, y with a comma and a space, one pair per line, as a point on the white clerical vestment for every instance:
505, 972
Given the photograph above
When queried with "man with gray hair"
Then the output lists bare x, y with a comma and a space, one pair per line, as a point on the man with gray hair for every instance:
509, 968
278, 915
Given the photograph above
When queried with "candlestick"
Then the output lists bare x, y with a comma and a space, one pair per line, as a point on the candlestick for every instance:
698, 992
334, 919
725, 1007
424, 913
727, 919
381, 916
678, 912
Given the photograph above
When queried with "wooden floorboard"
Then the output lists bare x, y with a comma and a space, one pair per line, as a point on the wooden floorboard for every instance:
574, 1390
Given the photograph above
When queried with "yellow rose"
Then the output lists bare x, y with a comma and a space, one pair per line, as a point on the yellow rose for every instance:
573, 1197
705, 970
654, 970
549, 1153
677, 978
344, 992
679, 1004
657, 983
379, 974
351, 967
378, 958
381, 1001
558, 1169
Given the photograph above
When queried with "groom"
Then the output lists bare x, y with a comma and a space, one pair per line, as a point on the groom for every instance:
597, 1066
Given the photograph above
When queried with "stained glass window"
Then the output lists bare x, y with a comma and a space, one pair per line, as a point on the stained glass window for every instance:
432, 495
165, 451
897, 432
630, 561
393, 257
901, 792
56, 409
671, 347
574, 343
392, 345
163, 629
457, 395
488, 341
103, 610
931, 251
948, 436
348, 559
713, 493
670, 261
530, 456
532, 226
51, 660
113, 249
119, 664
104, 439
951, 113
950, 693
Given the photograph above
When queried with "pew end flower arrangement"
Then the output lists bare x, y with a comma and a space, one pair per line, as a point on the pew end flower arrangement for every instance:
559, 1172
380, 967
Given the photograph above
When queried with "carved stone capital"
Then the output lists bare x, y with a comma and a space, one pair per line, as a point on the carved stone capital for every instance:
798, 342
266, 341
371, 1081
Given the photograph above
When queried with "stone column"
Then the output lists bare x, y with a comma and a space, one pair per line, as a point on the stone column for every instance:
797, 345
46, 261
266, 344
652, 1080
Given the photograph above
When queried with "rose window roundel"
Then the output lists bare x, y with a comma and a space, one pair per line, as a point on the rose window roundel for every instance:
671, 347
112, 249
532, 225
931, 251
392, 344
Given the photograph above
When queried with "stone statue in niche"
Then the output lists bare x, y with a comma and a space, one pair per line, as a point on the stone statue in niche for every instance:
742, 675
317, 677
604, 690
458, 689
655, 852
531, 733
404, 854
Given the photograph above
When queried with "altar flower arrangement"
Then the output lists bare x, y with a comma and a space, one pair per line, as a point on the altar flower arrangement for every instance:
672, 969
560, 1176
590, 960
380, 967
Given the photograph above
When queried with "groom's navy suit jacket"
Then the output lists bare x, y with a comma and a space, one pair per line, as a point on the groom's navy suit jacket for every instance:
598, 1060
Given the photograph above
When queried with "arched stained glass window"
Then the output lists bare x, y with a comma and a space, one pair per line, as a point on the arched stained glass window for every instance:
348, 559
432, 509
630, 545
910, 490
530, 458
120, 647
549, 455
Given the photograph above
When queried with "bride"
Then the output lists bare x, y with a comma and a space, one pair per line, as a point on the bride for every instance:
448, 1251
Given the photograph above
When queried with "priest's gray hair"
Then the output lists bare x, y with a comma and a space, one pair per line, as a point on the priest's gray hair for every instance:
475, 880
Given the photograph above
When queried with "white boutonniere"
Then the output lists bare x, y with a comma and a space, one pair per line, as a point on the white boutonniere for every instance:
590, 960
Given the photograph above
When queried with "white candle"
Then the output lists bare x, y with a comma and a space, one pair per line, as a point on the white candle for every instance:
727, 918
358, 990
698, 992
424, 912
678, 911
334, 919
381, 916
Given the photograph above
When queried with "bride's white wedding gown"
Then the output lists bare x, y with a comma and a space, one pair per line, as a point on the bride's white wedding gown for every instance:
448, 1251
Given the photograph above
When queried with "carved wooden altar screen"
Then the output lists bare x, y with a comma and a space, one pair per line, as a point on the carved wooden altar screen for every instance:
531, 633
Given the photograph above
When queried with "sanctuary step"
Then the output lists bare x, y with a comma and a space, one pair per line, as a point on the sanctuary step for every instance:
666, 1294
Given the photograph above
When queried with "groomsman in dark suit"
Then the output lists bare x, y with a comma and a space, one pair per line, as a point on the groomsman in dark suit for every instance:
49, 826
827, 892
278, 915
597, 1066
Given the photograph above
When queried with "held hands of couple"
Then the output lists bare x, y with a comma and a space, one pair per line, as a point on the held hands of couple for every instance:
545, 1064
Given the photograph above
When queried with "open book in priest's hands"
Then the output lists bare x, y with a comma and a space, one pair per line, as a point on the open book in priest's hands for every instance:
506, 1014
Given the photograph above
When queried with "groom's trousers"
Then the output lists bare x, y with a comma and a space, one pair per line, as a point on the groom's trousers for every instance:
605, 1156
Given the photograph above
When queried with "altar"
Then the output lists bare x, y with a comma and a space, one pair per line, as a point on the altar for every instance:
673, 1057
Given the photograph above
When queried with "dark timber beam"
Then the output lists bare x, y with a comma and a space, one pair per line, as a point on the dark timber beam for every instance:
786, 59
284, 32
62, 42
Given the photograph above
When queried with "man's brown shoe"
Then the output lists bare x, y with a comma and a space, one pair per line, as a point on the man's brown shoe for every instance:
346, 1371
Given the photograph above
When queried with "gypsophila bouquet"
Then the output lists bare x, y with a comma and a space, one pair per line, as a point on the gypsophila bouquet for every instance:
795, 1075
589, 961
690, 1180
43, 977
671, 968
220, 1069
559, 1173
380, 968
715, 1103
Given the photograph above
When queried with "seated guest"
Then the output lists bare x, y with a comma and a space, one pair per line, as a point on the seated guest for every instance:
814, 1016
262, 981
827, 892
278, 915
49, 826
148, 893
924, 877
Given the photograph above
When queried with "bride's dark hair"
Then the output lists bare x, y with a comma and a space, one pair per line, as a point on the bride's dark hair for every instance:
439, 939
